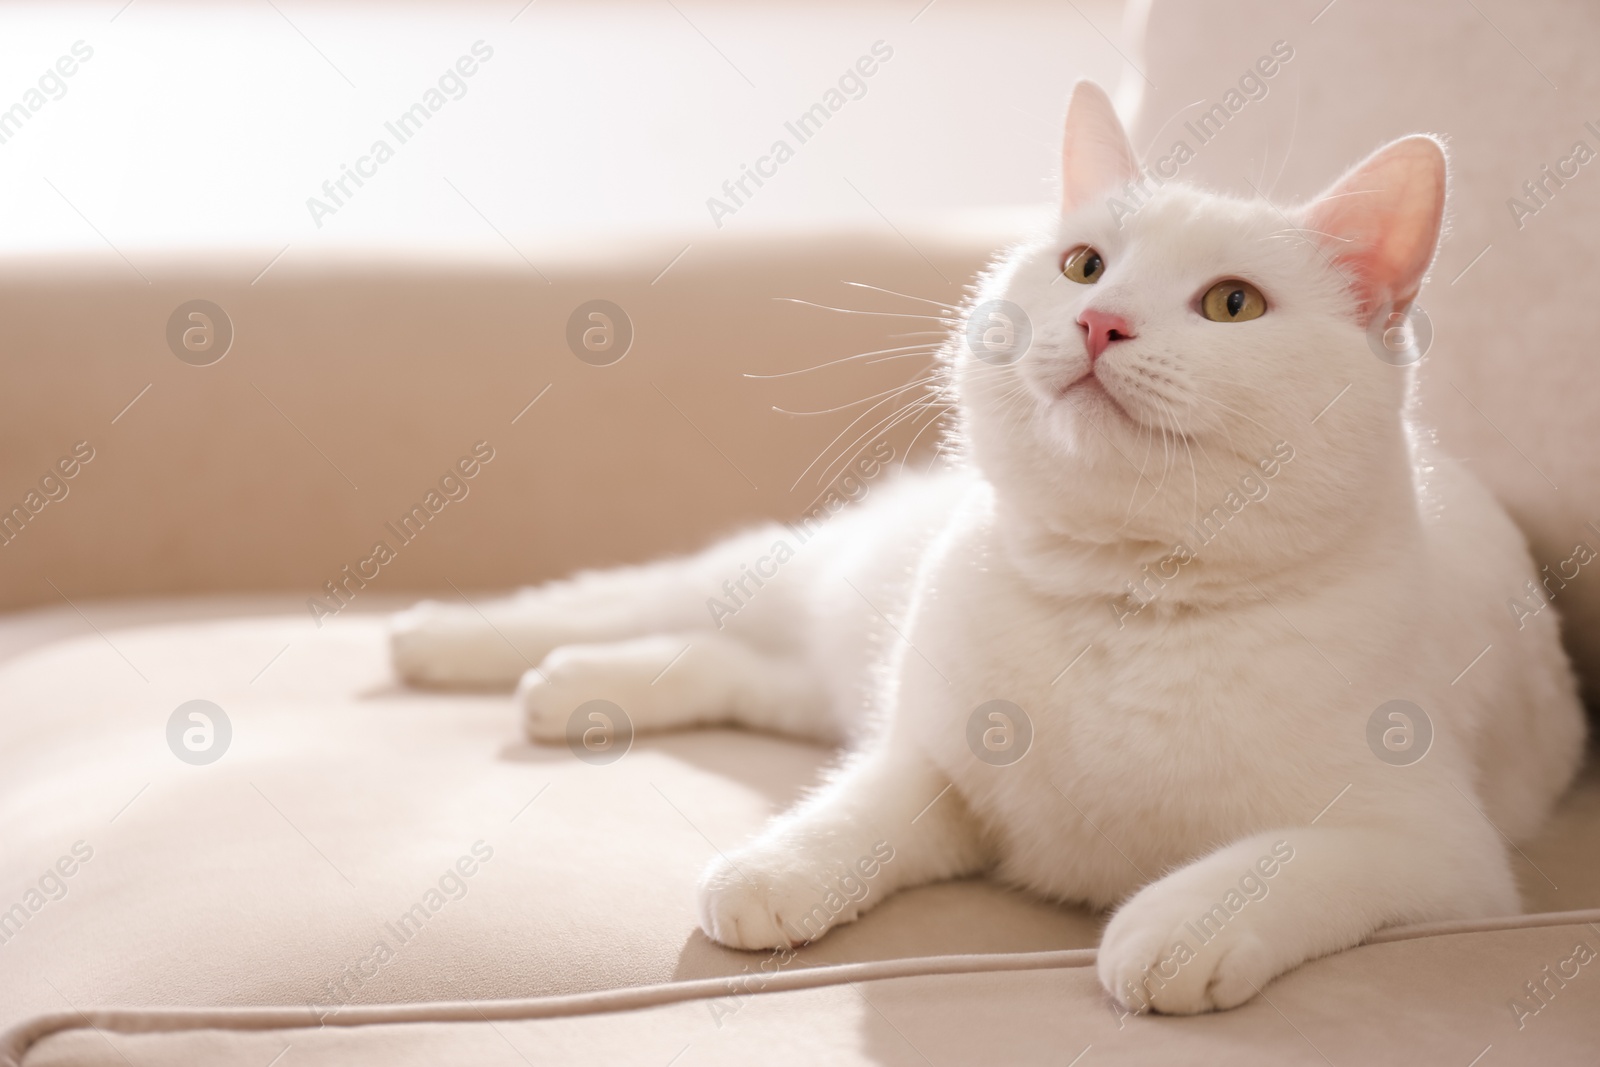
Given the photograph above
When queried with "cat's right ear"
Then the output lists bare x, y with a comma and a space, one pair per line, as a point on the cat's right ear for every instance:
1095, 154
1379, 225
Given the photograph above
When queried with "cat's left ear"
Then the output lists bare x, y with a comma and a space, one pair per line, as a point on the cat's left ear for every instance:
1379, 224
1095, 154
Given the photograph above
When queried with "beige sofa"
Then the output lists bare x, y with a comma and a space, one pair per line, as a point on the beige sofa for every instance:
369, 874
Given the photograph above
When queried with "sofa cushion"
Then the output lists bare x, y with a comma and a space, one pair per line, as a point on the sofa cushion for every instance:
359, 846
343, 802
1444, 995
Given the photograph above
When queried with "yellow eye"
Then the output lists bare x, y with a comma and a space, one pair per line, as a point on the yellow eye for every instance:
1233, 301
1083, 265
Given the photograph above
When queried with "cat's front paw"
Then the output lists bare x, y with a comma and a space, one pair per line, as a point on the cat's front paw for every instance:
751, 902
1179, 952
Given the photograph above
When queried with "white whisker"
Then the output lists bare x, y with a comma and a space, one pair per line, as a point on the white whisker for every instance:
1306, 229
883, 427
825, 448
857, 311
912, 446
908, 296
903, 355
910, 349
844, 407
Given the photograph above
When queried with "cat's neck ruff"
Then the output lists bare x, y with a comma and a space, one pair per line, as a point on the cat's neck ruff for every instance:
1284, 537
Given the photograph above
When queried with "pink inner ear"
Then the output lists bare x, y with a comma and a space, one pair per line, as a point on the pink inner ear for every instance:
1096, 157
1379, 224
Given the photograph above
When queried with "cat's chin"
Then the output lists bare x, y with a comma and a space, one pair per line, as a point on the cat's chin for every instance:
1088, 398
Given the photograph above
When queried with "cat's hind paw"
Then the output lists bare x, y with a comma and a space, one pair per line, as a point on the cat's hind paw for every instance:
547, 699
436, 644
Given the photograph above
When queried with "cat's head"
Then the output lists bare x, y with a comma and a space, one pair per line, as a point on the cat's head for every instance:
1119, 374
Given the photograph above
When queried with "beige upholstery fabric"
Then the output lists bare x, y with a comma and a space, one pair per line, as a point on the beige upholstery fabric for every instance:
1440, 998
342, 801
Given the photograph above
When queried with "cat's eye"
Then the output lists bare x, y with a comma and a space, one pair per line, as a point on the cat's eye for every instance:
1083, 265
1233, 301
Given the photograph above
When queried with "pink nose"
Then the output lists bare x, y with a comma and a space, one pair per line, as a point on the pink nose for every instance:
1100, 328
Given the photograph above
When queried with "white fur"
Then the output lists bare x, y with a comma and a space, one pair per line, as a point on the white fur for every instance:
1192, 744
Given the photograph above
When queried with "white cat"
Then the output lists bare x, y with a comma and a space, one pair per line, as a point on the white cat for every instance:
1195, 549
